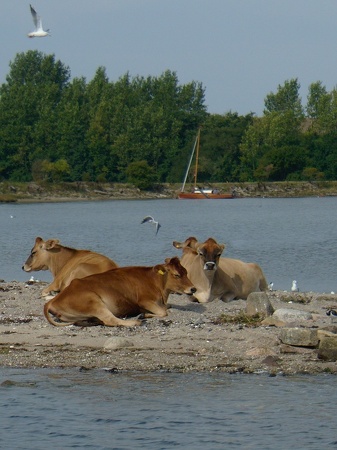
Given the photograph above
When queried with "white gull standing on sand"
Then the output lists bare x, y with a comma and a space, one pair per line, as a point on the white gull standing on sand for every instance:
294, 287
39, 31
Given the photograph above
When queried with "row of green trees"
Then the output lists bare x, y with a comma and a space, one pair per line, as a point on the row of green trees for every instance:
290, 141
56, 128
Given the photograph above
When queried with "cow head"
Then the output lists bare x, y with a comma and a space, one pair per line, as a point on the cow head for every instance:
209, 253
176, 276
38, 258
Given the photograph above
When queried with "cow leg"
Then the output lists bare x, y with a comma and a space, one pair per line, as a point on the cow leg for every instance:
61, 281
227, 297
53, 287
109, 320
152, 310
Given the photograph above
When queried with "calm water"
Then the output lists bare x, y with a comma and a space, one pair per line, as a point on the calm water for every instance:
289, 238
99, 410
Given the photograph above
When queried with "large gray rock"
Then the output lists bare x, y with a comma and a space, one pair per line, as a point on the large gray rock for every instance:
327, 349
258, 303
299, 337
116, 342
288, 315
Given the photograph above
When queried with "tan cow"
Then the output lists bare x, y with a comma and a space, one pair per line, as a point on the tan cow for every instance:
65, 263
104, 298
217, 277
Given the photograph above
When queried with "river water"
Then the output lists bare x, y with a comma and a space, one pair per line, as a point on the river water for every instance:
61, 409
289, 238
97, 410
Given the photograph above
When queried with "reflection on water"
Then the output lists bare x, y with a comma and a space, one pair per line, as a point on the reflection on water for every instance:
100, 410
289, 238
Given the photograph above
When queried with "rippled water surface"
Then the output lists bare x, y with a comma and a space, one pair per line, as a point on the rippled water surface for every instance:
289, 238
99, 410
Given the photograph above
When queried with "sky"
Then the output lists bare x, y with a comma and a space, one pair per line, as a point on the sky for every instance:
240, 50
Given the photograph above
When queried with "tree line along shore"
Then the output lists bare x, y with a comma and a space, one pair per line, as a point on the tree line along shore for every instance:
141, 130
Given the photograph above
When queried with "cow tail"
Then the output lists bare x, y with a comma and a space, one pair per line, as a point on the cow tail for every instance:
51, 320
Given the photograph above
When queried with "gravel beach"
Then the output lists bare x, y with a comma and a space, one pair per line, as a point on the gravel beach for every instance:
193, 337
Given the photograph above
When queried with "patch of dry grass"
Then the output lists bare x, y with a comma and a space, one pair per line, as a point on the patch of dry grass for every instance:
240, 319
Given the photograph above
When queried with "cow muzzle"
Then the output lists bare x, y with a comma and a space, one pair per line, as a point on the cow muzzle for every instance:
190, 291
209, 265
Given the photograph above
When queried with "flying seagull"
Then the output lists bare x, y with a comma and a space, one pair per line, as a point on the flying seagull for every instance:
39, 31
150, 219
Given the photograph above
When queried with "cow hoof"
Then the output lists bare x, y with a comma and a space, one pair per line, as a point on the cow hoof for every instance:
141, 320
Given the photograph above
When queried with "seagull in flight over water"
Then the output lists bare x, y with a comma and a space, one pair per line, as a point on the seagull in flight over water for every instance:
150, 219
39, 31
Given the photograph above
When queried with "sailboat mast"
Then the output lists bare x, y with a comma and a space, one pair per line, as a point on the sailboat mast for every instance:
189, 163
196, 160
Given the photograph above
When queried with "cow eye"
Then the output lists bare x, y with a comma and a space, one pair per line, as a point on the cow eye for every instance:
176, 275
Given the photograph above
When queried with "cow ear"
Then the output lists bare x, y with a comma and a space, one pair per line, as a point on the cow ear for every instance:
191, 242
173, 260
159, 268
51, 243
177, 244
222, 246
197, 246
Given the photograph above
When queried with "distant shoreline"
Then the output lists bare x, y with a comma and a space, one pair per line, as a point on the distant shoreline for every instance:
83, 191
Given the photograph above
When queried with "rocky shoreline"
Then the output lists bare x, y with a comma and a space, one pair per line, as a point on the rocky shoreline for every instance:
209, 337
85, 191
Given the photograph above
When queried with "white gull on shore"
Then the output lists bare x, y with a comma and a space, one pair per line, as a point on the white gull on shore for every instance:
294, 287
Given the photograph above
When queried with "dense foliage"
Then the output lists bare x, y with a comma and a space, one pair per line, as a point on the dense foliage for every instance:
141, 130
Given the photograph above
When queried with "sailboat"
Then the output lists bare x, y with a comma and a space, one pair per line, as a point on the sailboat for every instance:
198, 192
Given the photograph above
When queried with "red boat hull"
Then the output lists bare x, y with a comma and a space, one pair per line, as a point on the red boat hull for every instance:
200, 196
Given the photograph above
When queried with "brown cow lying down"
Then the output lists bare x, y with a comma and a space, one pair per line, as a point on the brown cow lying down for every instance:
217, 277
125, 291
64, 263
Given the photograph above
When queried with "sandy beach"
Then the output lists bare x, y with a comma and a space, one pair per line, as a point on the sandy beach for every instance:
192, 337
